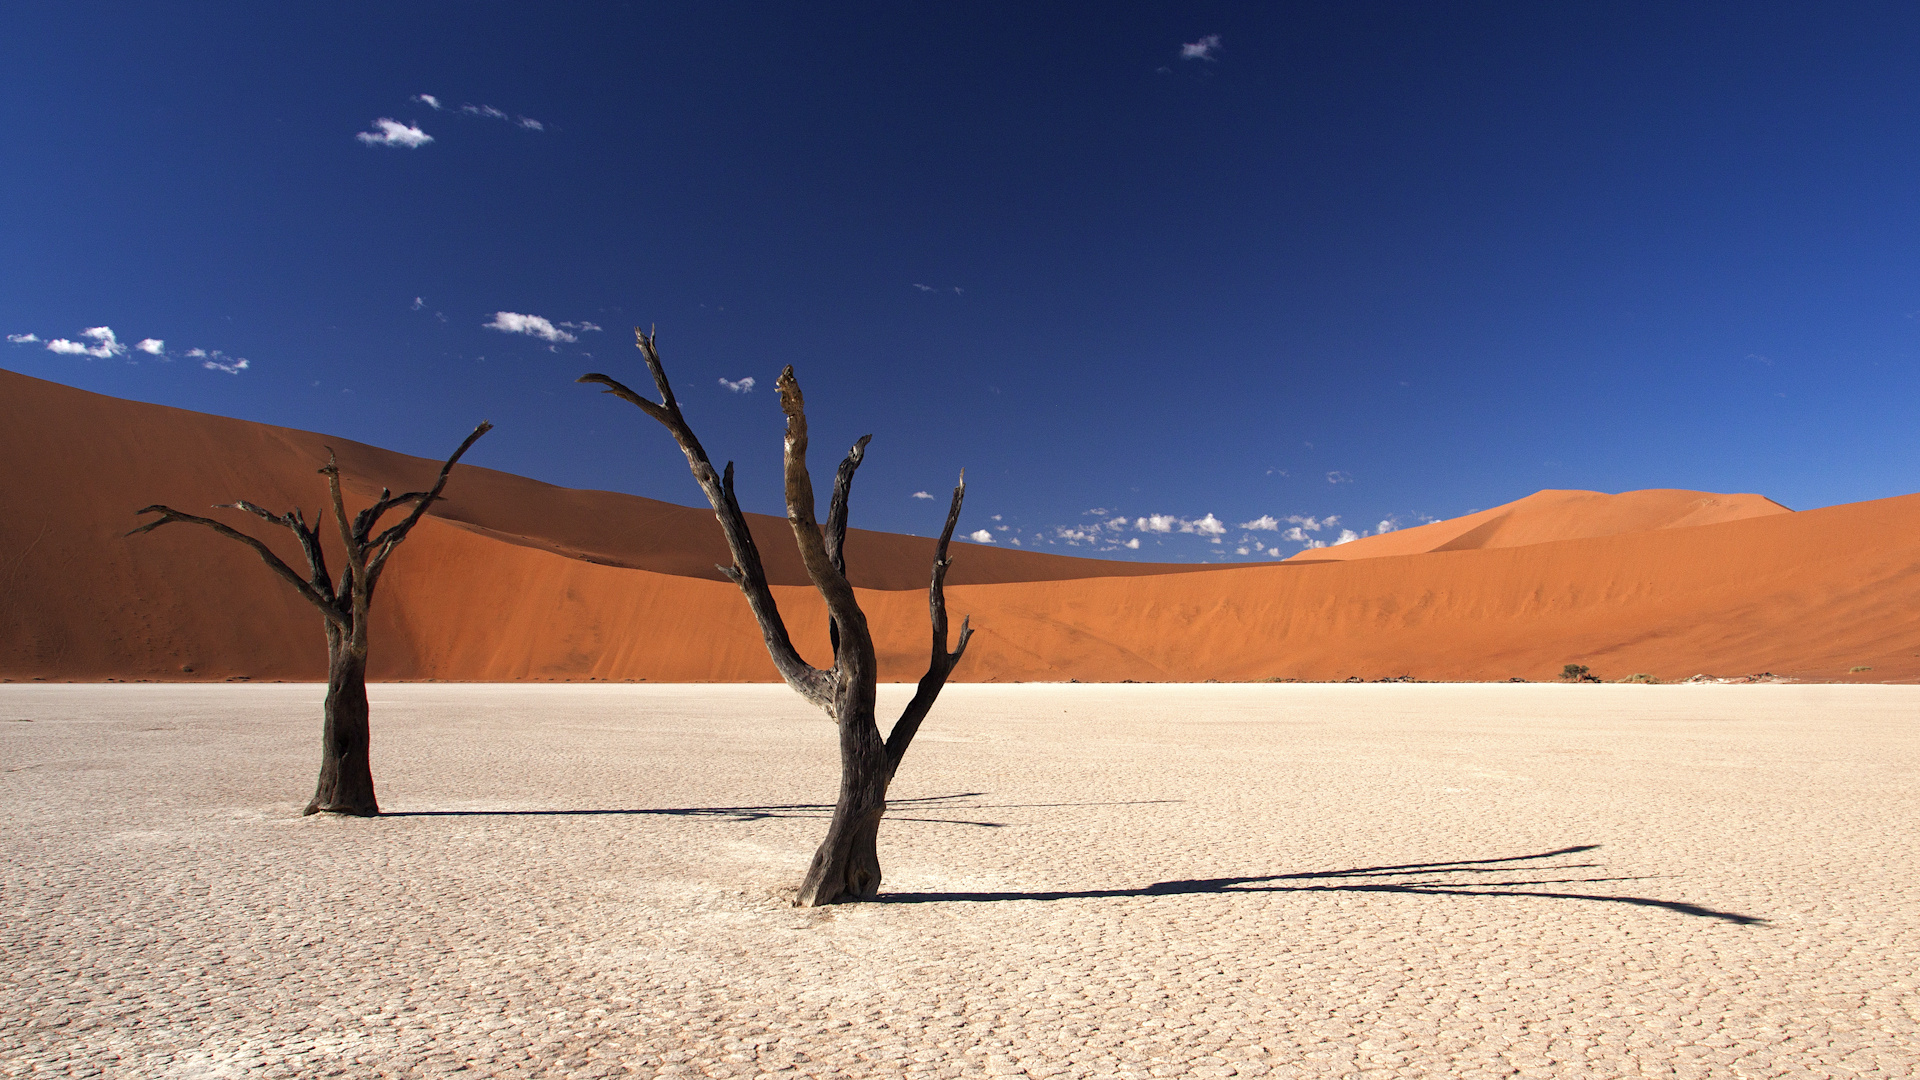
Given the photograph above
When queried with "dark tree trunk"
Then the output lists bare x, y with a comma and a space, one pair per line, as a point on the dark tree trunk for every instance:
847, 864
346, 773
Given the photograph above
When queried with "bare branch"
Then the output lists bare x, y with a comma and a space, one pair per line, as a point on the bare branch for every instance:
807, 534
942, 662
422, 500
836, 536
309, 541
747, 572
837, 508
169, 515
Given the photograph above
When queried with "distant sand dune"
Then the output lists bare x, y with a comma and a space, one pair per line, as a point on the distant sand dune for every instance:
515, 579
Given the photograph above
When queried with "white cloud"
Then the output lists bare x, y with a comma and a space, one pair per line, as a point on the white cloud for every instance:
531, 325
1202, 49
1385, 527
1311, 544
923, 495
1133, 543
743, 385
1209, 526
428, 100
1338, 477
1240, 551
924, 288
980, 536
529, 123
1156, 523
219, 361
1117, 523
418, 303
394, 133
582, 325
105, 344
483, 110
1014, 540
152, 346
1078, 536
23, 339
1264, 523
998, 517
196, 353
1347, 536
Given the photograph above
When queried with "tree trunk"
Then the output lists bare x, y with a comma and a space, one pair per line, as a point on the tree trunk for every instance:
346, 775
847, 864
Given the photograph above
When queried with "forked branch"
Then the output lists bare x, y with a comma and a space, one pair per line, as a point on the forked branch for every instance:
942, 663
312, 592
421, 500
747, 572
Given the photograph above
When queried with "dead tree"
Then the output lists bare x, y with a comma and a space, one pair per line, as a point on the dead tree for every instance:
346, 777
847, 864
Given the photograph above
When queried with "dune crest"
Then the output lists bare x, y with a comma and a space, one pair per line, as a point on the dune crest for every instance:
1549, 515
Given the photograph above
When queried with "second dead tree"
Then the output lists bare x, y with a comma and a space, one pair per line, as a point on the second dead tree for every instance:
346, 774
847, 864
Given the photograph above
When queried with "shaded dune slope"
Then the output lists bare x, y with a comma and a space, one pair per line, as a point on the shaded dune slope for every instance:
521, 580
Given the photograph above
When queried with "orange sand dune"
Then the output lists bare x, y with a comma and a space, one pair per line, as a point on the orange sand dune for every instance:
521, 580
1556, 515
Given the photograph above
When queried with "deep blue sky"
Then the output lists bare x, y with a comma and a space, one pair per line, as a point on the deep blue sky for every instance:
1379, 261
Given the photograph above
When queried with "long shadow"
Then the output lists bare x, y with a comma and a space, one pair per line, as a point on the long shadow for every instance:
729, 813
787, 810
1416, 879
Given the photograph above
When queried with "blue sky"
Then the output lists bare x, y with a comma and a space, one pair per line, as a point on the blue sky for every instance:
1143, 266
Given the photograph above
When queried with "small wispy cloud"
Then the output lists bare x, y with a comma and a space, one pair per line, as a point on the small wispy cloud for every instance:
1263, 523
418, 303
510, 322
394, 133
1338, 477
922, 495
490, 113
428, 100
582, 325
980, 536
152, 346
1133, 544
219, 361
1386, 527
1347, 536
924, 288
196, 353
742, 385
23, 339
1202, 49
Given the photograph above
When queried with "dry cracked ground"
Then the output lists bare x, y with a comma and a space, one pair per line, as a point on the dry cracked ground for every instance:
1083, 881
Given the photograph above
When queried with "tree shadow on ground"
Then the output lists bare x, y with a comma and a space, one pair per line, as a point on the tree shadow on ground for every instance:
1462, 877
781, 810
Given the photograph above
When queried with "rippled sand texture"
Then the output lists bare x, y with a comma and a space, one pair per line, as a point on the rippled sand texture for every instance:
1083, 881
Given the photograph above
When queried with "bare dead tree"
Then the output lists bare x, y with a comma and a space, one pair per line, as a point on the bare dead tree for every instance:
346, 777
847, 864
